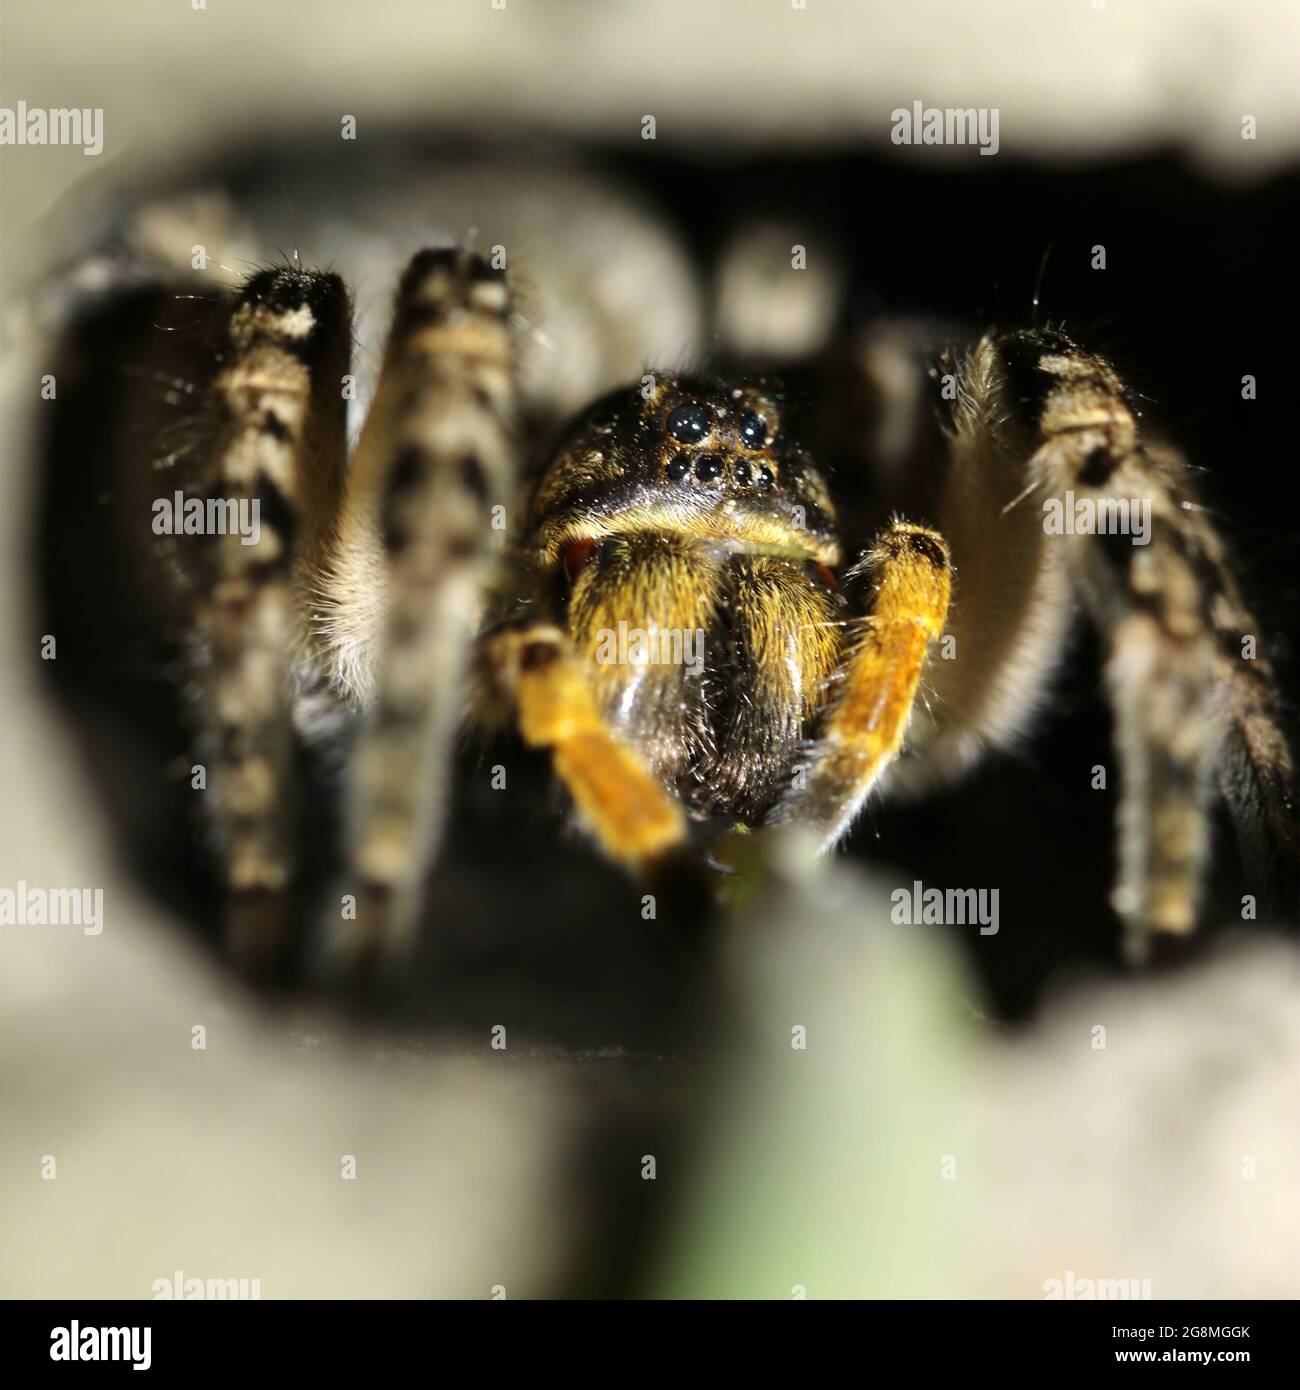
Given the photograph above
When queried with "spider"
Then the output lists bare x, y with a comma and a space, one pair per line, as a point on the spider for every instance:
660, 599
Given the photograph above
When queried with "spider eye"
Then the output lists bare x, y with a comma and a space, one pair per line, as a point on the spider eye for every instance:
688, 424
707, 468
753, 430
679, 466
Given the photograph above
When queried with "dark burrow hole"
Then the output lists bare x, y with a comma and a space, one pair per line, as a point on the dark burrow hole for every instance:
581, 967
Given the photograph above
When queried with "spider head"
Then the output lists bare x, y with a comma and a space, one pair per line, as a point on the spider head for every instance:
707, 459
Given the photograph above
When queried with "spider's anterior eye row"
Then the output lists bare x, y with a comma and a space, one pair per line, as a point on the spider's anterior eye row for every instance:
688, 424
707, 467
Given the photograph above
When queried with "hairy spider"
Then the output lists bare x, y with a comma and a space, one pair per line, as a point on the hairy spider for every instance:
654, 600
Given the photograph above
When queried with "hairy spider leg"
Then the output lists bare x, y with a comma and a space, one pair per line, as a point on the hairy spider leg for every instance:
621, 802
277, 447
881, 671
405, 580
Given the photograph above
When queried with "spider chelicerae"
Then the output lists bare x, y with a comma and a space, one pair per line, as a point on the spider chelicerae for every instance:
654, 589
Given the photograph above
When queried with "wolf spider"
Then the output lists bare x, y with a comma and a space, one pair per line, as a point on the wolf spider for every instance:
432, 575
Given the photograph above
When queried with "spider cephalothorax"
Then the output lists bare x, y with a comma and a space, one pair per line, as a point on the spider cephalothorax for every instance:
690, 457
